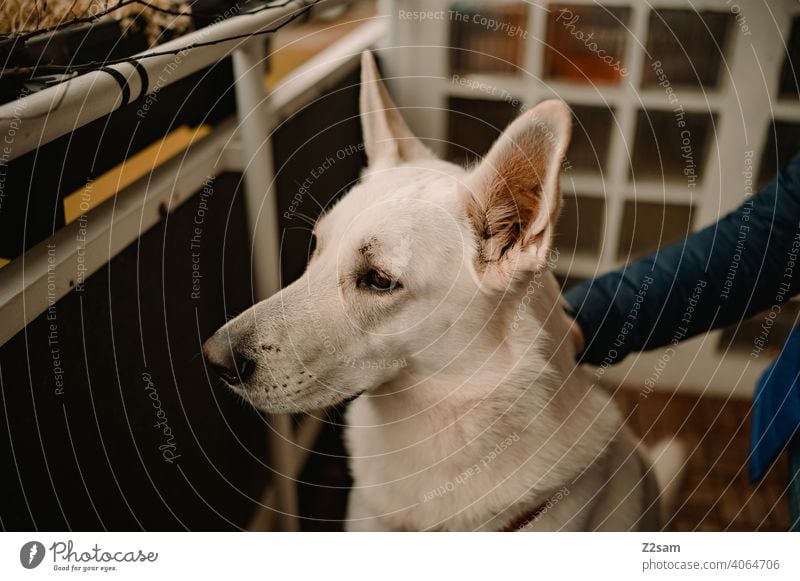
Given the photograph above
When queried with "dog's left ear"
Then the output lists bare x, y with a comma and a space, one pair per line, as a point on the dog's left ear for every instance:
515, 196
387, 139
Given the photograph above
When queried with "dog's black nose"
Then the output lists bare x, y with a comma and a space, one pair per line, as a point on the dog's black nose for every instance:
227, 362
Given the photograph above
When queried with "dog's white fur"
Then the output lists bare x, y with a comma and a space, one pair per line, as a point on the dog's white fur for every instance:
473, 411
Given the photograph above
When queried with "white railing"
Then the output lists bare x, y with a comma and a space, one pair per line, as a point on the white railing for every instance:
63, 108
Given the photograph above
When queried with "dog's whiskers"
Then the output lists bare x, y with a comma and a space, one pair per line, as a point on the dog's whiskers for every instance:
302, 228
306, 218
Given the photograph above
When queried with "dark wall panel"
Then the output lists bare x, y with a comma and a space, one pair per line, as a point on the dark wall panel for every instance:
319, 154
107, 417
109, 420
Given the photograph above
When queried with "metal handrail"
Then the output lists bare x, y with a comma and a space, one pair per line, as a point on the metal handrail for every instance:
41, 117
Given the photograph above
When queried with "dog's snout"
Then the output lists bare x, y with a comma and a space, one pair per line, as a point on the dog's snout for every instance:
233, 366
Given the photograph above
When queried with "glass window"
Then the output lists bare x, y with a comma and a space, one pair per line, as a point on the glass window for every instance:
580, 226
688, 46
648, 225
783, 142
473, 125
671, 146
790, 74
585, 44
487, 39
591, 134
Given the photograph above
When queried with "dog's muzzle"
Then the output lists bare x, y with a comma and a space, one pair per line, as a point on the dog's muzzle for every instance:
232, 366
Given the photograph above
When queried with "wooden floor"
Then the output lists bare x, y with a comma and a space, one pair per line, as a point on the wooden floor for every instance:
715, 495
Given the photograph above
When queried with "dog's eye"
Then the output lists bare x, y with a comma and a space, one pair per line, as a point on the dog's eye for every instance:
378, 281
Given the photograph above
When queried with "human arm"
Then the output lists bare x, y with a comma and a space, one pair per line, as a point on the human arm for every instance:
725, 272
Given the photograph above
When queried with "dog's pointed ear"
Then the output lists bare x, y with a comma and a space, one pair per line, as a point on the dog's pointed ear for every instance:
387, 139
515, 196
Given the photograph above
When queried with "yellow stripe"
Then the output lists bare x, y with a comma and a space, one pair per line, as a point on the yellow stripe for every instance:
3, 262
121, 176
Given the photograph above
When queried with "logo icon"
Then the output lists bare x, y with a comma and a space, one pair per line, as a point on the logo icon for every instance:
31, 554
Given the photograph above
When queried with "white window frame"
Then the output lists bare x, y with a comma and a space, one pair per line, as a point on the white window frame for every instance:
743, 113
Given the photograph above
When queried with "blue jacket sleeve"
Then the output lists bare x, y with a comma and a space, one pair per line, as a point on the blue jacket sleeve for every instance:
744, 263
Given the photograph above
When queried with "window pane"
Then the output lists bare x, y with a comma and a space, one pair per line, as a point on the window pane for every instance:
487, 39
648, 225
751, 336
670, 146
473, 125
790, 74
591, 132
688, 45
580, 226
783, 142
585, 43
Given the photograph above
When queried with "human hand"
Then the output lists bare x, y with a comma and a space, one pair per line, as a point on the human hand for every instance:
575, 331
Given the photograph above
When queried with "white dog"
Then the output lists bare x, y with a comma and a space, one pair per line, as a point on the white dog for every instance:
429, 299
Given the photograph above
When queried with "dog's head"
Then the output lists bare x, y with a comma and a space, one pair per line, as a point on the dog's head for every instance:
403, 259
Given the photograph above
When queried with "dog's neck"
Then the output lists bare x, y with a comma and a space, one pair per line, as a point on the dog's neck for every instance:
514, 382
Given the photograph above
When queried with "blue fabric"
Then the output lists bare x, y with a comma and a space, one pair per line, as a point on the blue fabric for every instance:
693, 277
794, 483
695, 272
776, 408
